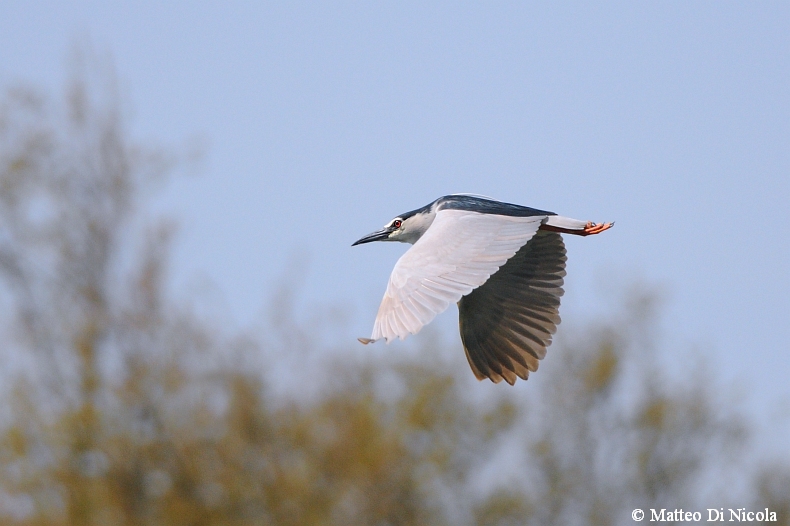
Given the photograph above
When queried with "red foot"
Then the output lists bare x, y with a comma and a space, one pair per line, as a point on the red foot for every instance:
592, 228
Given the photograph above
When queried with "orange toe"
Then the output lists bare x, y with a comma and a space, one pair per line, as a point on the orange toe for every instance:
592, 228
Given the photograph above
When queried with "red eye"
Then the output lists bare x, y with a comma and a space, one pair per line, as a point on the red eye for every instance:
397, 223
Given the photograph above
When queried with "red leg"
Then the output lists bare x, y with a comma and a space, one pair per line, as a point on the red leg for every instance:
589, 229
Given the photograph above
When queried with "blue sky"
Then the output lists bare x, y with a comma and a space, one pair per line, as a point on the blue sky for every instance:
325, 120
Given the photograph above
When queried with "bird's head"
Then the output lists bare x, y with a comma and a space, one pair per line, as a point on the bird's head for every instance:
406, 228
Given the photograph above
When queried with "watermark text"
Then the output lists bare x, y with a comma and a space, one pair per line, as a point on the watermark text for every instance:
709, 515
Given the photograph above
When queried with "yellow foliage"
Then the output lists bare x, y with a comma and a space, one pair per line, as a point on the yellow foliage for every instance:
129, 416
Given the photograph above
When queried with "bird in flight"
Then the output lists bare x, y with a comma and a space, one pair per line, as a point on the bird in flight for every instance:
502, 263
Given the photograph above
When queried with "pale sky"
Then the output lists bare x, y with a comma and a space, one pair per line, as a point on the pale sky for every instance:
323, 121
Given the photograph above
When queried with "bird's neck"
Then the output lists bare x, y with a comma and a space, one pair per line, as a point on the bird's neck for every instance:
416, 226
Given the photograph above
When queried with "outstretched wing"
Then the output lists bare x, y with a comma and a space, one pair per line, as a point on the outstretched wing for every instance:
507, 323
456, 255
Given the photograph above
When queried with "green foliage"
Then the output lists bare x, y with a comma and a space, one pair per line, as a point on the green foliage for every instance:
127, 410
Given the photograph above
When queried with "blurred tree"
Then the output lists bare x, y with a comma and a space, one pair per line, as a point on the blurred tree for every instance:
121, 408
773, 493
121, 412
611, 434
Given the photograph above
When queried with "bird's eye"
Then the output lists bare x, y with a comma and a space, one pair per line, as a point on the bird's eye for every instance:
397, 223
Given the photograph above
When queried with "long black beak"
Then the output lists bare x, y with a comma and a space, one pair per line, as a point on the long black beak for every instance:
375, 236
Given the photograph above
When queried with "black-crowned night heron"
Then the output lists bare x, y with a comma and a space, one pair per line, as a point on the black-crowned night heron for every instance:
504, 265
